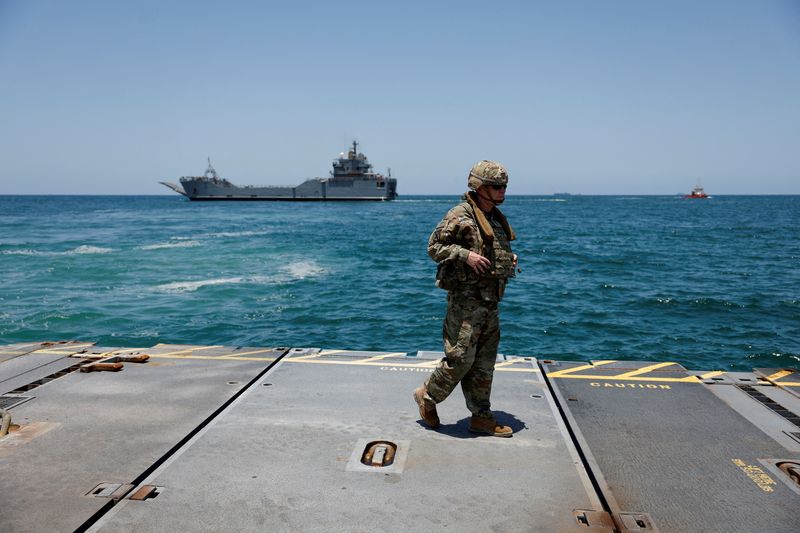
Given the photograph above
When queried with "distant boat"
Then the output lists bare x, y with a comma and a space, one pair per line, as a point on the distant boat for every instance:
697, 193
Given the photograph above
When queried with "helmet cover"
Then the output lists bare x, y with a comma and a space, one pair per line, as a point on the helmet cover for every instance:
487, 173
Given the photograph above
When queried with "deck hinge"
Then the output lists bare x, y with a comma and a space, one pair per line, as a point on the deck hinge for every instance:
594, 520
112, 491
635, 522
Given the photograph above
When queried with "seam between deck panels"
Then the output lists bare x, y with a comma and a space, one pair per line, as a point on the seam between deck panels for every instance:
584, 453
96, 519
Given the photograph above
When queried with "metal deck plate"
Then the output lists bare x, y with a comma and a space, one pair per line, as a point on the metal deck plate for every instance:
10, 351
88, 428
278, 460
660, 443
787, 379
28, 368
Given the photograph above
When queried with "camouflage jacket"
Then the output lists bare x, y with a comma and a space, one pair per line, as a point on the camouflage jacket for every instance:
460, 233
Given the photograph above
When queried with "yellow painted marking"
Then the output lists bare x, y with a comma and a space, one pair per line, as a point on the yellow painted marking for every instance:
69, 347
303, 359
523, 368
19, 347
237, 354
560, 373
687, 379
780, 374
756, 475
789, 384
644, 370
383, 364
189, 350
713, 374
64, 350
329, 352
384, 356
212, 357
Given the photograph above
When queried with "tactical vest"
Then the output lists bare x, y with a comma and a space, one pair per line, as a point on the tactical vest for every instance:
502, 258
457, 275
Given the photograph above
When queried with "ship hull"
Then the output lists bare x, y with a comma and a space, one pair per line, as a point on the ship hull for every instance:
283, 199
313, 190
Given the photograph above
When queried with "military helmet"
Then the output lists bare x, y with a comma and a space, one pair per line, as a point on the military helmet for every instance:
487, 173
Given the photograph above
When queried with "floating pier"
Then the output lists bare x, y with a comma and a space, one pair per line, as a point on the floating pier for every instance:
218, 438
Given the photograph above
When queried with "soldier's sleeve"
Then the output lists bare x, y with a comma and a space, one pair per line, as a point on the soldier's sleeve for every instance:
443, 243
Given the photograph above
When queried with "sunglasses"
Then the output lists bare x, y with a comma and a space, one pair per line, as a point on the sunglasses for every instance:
499, 187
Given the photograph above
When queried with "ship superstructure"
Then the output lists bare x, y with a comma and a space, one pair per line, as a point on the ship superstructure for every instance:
352, 178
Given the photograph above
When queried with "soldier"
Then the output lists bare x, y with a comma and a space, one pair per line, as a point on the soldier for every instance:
471, 247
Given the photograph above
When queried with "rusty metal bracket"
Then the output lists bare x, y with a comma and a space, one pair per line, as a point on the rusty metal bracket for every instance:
102, 367
146, 492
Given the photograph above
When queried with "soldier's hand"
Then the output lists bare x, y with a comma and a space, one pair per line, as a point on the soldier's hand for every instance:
478, 263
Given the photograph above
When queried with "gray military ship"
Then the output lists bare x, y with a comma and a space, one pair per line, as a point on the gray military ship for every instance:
352, 178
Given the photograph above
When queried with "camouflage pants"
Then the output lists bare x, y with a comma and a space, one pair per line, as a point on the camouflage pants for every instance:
471, 335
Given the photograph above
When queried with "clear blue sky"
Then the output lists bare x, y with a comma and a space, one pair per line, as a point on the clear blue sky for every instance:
593, 97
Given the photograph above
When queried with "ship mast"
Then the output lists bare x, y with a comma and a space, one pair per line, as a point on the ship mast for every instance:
210, 170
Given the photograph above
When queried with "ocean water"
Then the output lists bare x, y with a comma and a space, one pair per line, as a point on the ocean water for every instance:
711, 284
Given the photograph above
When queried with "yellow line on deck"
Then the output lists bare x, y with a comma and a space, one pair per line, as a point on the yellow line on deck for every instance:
189, 350
385, 356
237, 354
212, 357
644, 370
329, 352
712, 374
304, 359
687, 379
780, 374
509, 362
63, 350
21, 346
559, 373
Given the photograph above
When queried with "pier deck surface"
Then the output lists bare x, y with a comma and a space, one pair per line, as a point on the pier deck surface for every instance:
272, 438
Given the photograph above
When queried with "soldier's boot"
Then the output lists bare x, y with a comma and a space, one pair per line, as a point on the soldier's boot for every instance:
427, 407
489, 426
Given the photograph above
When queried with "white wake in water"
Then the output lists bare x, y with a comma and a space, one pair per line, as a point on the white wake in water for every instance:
288, 273
83, 249
221, 234
302, 270
172, 244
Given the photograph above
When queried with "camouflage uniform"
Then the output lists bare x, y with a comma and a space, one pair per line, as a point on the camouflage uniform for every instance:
471, 328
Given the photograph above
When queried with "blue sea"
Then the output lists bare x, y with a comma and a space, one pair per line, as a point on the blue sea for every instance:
713, 284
